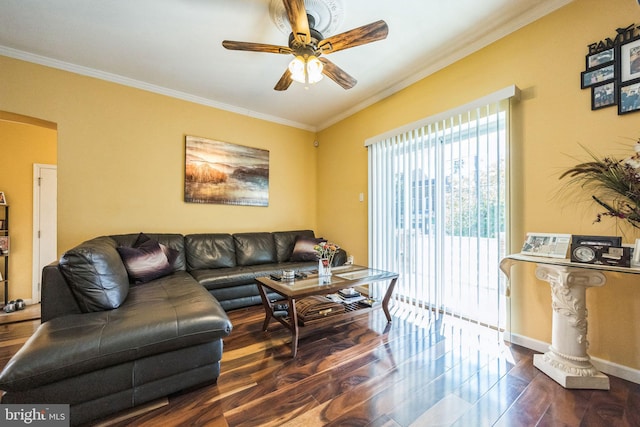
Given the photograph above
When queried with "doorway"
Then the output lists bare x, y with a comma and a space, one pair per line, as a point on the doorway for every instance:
26, 141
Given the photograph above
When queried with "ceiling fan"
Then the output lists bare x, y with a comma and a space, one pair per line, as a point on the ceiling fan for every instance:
307, 45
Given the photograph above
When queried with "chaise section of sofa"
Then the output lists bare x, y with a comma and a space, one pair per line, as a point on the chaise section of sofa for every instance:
164, 336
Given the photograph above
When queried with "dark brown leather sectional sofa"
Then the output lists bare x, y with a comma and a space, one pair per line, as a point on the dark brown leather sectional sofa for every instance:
124, 324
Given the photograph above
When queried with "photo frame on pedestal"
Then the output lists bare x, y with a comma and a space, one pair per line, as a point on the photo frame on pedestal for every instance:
546, 245
601, 250
635, 259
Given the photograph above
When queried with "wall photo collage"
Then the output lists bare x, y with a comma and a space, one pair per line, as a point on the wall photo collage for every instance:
613, 71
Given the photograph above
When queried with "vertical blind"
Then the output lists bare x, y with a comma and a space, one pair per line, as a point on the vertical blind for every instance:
438, 209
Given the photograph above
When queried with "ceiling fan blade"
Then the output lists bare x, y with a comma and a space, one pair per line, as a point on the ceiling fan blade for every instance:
256, 47
298, 18
358, 36
285, 81
337, 74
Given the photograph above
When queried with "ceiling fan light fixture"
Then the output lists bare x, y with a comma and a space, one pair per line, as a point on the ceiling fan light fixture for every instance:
306, 71
297, 68
314, 70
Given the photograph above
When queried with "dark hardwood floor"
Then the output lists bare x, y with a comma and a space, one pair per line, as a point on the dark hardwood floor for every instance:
364, 372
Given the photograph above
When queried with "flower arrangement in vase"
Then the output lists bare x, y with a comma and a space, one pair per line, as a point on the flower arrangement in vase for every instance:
325, 252
614, 184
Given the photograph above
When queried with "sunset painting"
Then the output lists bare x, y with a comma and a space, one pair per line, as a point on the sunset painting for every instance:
224, 173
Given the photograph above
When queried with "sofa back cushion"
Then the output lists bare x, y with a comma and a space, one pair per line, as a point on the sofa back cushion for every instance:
96, 275
206, 251
285, 242
255, 248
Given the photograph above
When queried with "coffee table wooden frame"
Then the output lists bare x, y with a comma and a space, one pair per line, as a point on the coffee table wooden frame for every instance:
342, 277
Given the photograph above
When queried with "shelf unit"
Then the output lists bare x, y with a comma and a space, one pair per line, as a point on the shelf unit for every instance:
4, 251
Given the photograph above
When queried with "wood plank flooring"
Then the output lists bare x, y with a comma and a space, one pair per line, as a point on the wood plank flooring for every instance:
365, 372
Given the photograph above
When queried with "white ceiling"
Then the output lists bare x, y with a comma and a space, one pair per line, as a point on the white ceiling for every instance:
174, 47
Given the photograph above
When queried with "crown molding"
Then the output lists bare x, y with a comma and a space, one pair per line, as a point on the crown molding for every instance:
125, 81
463, 50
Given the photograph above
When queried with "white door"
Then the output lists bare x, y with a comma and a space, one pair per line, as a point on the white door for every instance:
45, 219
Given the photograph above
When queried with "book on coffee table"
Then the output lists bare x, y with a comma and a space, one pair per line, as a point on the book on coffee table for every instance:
346, 300
349, 293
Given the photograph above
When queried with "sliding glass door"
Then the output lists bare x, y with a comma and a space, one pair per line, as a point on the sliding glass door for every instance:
438, 212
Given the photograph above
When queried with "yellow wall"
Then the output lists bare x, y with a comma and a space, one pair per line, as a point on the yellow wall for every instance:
121, 157
544, 60
23, 144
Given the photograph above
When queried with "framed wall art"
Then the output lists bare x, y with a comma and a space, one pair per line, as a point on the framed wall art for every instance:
224, 173
604, 95
630, 60
600, 58
612, 71
629, 97
600, 75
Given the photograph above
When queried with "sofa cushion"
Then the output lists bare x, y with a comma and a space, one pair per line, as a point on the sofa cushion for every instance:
217, 278
96, 274
170, 253
254, 248
304, 249
171, 313
209, 251
173, 242
286, 240
146, 260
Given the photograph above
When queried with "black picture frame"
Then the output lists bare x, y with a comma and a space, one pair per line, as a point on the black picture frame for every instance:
598, 59
628, 60
629, 97
604, 95
597, 76
578, 239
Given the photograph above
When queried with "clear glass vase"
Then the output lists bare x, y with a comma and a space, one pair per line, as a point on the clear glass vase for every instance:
324, 267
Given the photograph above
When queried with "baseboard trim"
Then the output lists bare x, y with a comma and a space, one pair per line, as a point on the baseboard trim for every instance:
605, 366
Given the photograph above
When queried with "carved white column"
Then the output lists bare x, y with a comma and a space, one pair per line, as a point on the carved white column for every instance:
567, 361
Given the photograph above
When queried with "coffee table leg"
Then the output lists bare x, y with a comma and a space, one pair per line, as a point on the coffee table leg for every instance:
268, 311
387, 297
293, 315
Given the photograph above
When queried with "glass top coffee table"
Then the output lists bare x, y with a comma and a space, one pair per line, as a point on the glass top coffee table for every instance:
342, 278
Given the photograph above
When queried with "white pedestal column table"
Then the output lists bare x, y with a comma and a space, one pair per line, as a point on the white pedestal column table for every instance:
567, 360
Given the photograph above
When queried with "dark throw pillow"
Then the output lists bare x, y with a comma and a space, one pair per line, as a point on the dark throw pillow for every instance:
170, 253
146, 260
303, 249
